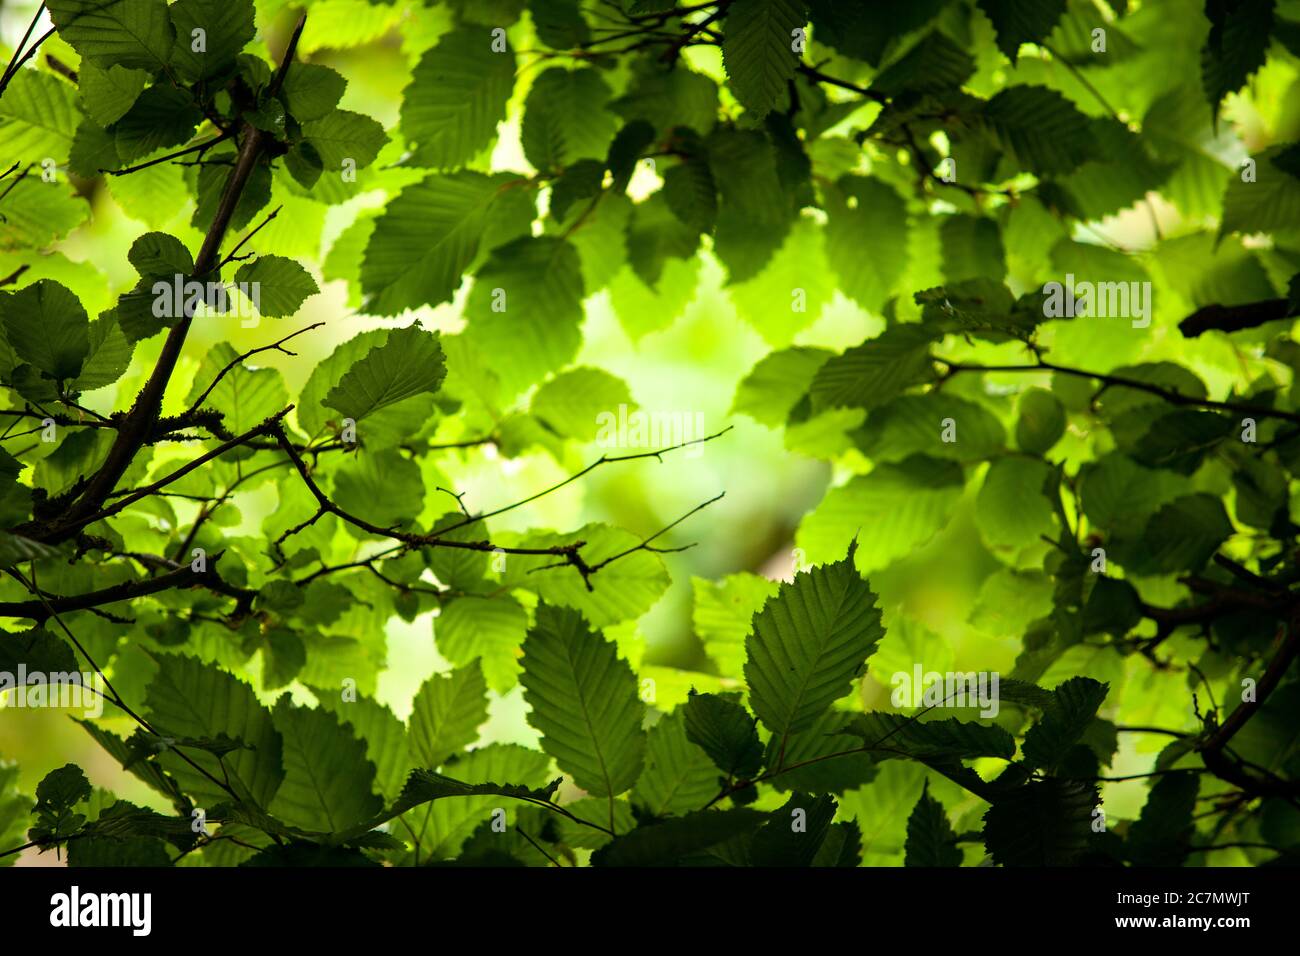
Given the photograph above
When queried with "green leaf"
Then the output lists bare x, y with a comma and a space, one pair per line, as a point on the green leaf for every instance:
327, 777
776, 384
1235, 47
1013, 508
725, 732
792, 292
1022, 21
190, 699
1184, 534
424, 786
1044, 823
972, 248
808, 644
938, 424
794, 834
1043, 130
489, 630
874, 372
56, 796
108, 94
1269, 203
565, 119
897, 735
894, 509
572, 403
525, 308
38, 116
157, 255
381, 487
278, 286
584, 702
758, 50
1159, 837
446, 715
312, 91
722, 615
866, 238
457, 96
559, 23
934, 65
1041, 421
245, 397
425, 240
227, 27
930, 839
161, 117
679, 776
1073, 706
409, 362
36, 651
669, 97
384, 736
47, 328
671, 842
37, 213
136, 34
755, 207
344, 141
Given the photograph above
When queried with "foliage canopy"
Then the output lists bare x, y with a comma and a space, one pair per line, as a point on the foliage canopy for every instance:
888, 193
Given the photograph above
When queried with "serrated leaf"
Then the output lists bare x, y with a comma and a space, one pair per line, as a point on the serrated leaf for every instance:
808, 644
1044, 823
408, 363
584, 702
327, 777
794, 833
679, 777
1022, 21
344, 141
726, 732
930, 839
565, 120
490, 630
47, 327
866, 238
446, 715
190, 699
758, 50
457, 96
1072, 708
278, 286
38, 116
311, 91
874, 372
525, 308
1043, 130
674, 841
227, 27
136, 34
897, 735
1235, 47
444, 217
894, 510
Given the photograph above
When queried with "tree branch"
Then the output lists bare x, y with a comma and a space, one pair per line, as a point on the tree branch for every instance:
138, 424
